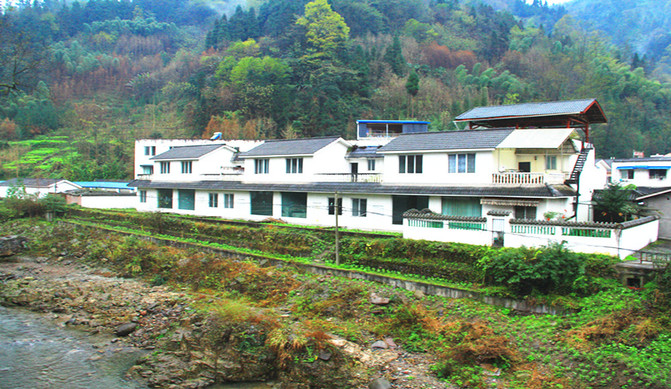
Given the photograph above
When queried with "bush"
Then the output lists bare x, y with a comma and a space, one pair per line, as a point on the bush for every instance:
545, 270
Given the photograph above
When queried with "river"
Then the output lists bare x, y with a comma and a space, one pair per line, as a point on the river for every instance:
38, 353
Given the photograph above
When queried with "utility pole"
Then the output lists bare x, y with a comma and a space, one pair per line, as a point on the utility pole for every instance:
336, 207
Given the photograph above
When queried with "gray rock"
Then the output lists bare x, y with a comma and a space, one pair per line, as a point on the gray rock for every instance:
11, 245
325, 355
380, 344
125, 329
390, 342
377, 300
379, 383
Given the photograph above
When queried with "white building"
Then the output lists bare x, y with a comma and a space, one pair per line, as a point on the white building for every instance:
471, 175
39, 187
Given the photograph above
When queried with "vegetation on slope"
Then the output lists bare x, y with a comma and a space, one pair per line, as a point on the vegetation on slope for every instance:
615, 337
103, 71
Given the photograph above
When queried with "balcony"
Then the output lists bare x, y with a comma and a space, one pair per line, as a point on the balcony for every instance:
520, 178
352, 177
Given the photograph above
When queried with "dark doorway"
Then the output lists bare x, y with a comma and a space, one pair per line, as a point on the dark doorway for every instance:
524, 167
400, 204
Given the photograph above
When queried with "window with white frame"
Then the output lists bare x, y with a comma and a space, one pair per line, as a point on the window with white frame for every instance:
228, 200
294, 165
165, 167
461, 163
550, 162
359, 207
143, 196
371, 165
261, 166
187, 167
213, 201
657, 174
410, 163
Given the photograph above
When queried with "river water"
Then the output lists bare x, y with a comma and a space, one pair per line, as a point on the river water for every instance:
37, 353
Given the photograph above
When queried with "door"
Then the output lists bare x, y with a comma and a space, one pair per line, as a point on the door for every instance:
354, 170
498, 227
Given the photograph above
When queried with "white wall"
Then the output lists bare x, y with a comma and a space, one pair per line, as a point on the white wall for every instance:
210, 165
110, 201
591, 178
329, 159
435, 169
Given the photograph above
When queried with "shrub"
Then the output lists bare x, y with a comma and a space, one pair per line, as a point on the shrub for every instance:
549, 269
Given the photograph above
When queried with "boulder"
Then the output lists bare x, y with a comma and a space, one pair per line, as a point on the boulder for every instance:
12, 245
125, 329
379, 383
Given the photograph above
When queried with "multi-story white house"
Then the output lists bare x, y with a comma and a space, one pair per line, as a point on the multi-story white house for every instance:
467, 176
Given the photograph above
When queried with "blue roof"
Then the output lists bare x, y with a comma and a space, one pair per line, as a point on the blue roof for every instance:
103, 184
393, 121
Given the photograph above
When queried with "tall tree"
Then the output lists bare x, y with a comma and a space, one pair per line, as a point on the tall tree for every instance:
326, 32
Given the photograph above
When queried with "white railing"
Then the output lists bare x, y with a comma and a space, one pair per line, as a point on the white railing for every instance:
351, 177
518, 178
528, 178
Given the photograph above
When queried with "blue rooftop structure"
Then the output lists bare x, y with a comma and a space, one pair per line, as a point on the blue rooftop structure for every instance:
106, 185
389, 128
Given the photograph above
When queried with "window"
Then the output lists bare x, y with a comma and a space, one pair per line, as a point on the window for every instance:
359, 207
186, 199
550, 162
657, 174
294, 165
294, 204
332, 206
165, 198
228, 200
461, 163
459, 206
150, 150
261, 166
165, 167
143, 196
409, 163
147, 169
187, 167
628, 174
213, 201
525, 213
262, 203
371, 165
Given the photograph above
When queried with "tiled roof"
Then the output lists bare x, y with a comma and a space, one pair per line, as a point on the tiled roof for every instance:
517, 191
281, 147
428, 214
393, 121
186, 152
451, 140
646, 159
31, 182
528, 109
364, 152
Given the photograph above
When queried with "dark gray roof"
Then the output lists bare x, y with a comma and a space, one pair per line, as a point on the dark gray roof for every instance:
186, 152
646, 159
285, 147
528, 109
451, 140
644, 192
31, 182
516, 191
364, 152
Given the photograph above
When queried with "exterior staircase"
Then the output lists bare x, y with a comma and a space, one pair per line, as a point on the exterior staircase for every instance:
579, 164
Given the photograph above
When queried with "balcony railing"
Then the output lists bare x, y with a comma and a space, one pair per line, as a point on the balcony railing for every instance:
352, 177
528, 178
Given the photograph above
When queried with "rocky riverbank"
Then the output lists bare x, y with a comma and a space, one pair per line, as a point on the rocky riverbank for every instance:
191, 349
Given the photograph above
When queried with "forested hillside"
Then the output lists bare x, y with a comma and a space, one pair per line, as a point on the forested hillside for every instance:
79, 82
